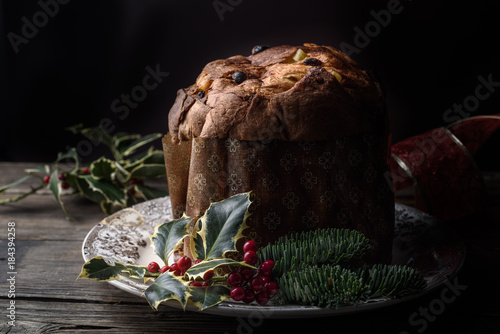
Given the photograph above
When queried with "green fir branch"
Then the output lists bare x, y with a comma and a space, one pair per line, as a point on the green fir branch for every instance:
317, 247
333, 285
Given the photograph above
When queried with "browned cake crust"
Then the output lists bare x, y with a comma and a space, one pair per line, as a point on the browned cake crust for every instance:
281, 98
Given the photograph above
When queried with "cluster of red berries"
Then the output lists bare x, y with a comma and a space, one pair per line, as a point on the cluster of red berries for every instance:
63, 176
178, 268
132, 183
248, 286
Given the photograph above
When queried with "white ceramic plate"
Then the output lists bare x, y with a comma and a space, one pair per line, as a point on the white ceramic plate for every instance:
419, 240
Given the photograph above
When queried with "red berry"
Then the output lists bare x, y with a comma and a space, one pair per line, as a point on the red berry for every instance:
205, 283
195, 283
266, 268
250, 257
262, 297
64, 185
250, 246
271, 288
85, 170
61, 176
197, 261
178, 272
208, 275
164, 268
136, 181
238, 293
184, 263
266, 279
247, 273
46, 179
249, 296
174, 267
153, 267
234, 278
257, 283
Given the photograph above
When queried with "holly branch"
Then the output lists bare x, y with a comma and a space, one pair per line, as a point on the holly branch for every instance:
111, 183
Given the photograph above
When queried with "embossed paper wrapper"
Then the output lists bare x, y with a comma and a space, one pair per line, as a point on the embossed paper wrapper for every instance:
296, 186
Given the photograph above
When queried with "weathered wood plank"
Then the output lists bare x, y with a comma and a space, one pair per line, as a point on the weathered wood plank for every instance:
39, 217
49, 269
52, 316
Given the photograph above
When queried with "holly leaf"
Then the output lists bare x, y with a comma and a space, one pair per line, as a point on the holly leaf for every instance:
79, 182
140, 142
15, 183
98, 135
148, 170
154, 157
75, 129
113, 195
148, 193
56, 189
198, 270
97, 269
103, 169
71, 154
136, 271
205, 297
221, 227
43, 169
168, 236
166, 287
122, 140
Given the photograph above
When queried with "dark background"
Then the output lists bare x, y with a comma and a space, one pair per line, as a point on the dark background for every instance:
429, 57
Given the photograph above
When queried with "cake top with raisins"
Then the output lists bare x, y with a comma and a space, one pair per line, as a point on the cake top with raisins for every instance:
293, 93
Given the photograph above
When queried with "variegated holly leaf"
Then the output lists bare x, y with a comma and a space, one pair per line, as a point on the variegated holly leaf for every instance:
148, 193
148, 170
122, 140
103, 169
205, 297
56, 189
150, 163
70, 156
198, 270
113, 195
42, 169
79, 182
168, 236
15, 183
99, 270
139, 143
98, 135
166, 287
136, 271
221, 227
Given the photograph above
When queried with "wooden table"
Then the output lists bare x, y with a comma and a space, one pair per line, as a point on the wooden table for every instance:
49, 299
